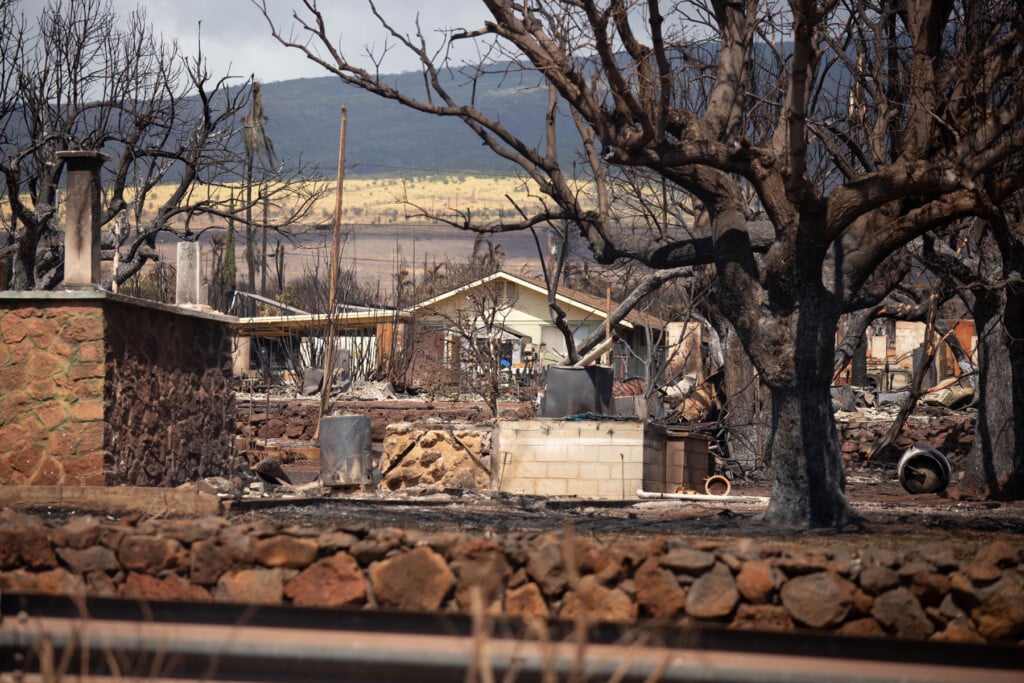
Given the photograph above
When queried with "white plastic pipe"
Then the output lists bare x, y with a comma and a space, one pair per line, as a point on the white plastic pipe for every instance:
595, 353
702, 497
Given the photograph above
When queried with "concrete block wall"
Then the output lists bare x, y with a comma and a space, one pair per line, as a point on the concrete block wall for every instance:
584, 458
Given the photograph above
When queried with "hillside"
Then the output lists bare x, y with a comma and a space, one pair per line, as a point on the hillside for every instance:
384, 137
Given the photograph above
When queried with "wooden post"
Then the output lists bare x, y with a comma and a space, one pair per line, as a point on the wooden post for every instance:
608, 319
325, 387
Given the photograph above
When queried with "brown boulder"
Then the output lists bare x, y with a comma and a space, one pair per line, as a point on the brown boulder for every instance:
862, 628
899, 612
59, 581
757, 581
876, 579
209, 560
96, 558
688, 561
546, 566
285, 551
999, 553
78, 533
479, 564
418, 580
25, 542
251, 586
526, 601
597, 603
171, 587
713, 595
1000, 614
762, 618
818, 600
658, 591
930, 587
331, 582
147, 554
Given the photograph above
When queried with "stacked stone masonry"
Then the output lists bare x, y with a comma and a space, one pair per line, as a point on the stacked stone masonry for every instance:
99, 389
972, 594
51, 395
441, 456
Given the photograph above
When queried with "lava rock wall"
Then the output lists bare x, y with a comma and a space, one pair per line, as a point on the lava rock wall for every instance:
973, 593
169, 405
101, 389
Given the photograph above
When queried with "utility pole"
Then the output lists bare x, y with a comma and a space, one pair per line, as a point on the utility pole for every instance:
325, 387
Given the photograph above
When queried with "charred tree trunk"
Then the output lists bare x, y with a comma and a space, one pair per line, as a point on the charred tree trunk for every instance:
807, 467
747, 413
996, 463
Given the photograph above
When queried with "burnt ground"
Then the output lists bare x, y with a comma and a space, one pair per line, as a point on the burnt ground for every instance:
892, 517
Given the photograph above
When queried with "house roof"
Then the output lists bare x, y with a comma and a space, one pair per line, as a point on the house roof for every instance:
594, 305
285, 325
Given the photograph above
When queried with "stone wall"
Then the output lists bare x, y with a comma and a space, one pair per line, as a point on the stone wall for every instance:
440, 456
51, 392
169, 402
973, 593
97, 388
950, 433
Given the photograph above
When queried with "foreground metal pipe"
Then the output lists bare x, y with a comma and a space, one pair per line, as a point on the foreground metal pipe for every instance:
197, 651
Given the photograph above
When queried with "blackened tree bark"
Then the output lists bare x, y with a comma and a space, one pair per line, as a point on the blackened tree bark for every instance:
996, 464
747, 408
913, 104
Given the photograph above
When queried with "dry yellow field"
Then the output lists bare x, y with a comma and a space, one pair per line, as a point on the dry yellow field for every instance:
392, 200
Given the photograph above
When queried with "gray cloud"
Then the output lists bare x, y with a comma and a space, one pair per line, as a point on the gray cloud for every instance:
237, 40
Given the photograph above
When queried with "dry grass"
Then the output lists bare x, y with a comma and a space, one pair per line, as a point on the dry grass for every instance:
392, 200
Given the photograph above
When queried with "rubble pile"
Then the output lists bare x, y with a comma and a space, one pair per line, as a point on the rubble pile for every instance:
968, 593
297, 420
949, 432
444, 456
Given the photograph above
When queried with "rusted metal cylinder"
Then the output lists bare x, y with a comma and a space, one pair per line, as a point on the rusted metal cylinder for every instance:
345, 450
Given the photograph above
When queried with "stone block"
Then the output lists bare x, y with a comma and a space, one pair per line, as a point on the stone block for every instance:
331, 582
49, 472
12, 329
417, 580
251, 586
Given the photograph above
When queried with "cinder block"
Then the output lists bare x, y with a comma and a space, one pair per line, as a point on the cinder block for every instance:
563, 470
584, 488
614, 489
551, 487
531, 470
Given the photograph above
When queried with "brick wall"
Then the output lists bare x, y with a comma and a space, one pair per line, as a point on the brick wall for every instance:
585, 458
102, 389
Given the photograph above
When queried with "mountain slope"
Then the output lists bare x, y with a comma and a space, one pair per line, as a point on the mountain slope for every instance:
385, 137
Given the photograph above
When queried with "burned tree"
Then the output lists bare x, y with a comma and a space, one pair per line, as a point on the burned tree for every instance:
915, 104
985, 263
84, 78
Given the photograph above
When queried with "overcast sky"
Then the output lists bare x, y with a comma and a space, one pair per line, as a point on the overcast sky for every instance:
236, 38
